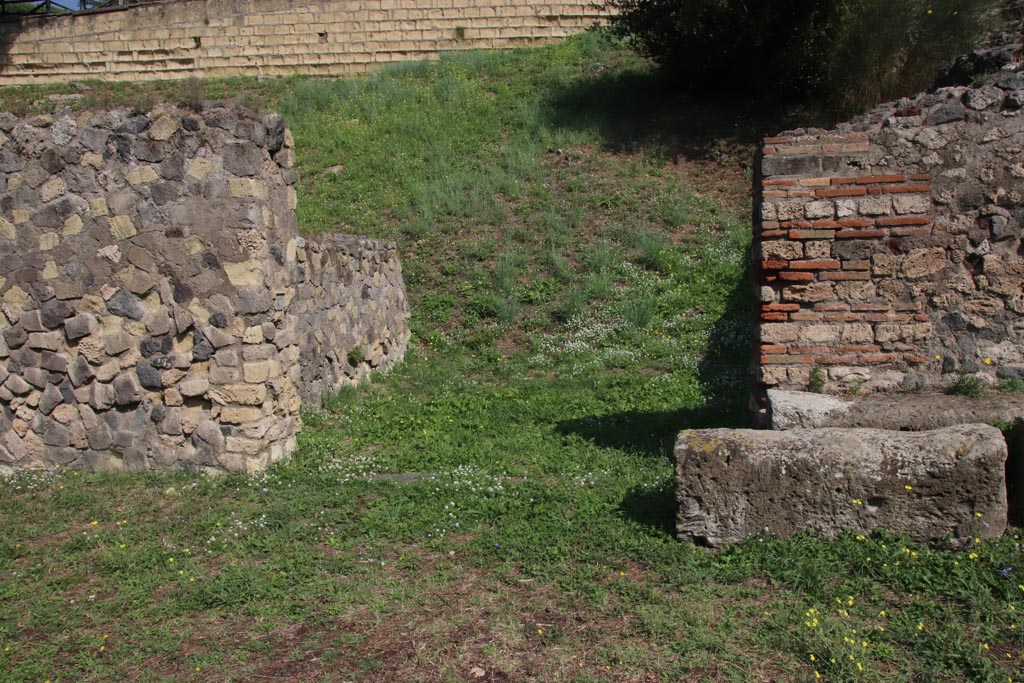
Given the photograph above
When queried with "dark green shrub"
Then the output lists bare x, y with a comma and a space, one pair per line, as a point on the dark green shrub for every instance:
712, 44
816, 382
355, 356
967, 385
846, 54
1012, 385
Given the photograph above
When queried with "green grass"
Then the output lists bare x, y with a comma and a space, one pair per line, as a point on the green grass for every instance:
500, 506
968, 385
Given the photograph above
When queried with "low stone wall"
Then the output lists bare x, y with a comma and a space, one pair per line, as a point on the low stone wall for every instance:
267, 38
889, 249
156, 300
351, 313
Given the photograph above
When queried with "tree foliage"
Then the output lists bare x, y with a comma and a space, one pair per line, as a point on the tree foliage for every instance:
846, 54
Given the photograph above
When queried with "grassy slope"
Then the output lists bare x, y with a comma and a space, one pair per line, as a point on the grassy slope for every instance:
576, 260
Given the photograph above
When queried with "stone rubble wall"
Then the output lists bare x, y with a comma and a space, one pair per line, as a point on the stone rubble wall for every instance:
350, 309
889, 251
156, 302
266, 38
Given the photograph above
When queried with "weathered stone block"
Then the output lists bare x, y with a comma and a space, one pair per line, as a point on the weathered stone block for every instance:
913, 412
931, 486
242, 158
127, 390
81, 325
193, 387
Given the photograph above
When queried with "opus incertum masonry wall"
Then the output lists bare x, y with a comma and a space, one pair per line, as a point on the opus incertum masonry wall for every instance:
157, 307
889, 251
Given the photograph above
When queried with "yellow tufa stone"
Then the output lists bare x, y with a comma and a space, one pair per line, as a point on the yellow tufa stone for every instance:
141, 175
258, 372
150, 303
92, 159
72, 226
50, 271
51, 189
125, 275
253, 335
244, 273
20, 216
239, 394
199, 312
16, 296
121, 227
182, 344
48, 240
195, 245
163, 128
248, 187
198, 169
7, 229
90, 303
98, 207
239, 414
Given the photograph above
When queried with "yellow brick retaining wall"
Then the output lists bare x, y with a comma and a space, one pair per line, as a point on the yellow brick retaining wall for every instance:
271, 37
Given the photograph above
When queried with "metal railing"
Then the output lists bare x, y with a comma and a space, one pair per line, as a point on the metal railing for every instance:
14, 9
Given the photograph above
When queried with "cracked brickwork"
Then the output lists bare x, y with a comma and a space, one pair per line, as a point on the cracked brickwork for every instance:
889, 250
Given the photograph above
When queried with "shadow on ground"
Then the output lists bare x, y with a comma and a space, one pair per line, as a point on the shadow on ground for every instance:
646, 112
724, 373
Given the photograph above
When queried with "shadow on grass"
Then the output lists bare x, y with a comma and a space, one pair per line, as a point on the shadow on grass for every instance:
724, 374
646, 111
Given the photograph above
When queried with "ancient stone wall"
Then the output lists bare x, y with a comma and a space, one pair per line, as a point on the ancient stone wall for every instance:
270, 38
350, 311
156, 302
889, 250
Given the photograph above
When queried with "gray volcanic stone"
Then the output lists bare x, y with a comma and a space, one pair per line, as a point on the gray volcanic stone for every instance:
54, 312
53, 362
17, 385
102, 396
932, 486
15, 336
946, 113
125, 305
149, 376
906, 412
56, 435
1010, 80
82, 325
32, 321
37, 377
50, 399
135, 124
126, 389
274, 124
242, 158
99, 437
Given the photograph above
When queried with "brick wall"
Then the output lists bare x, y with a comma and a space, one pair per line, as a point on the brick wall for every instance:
271, 38
889, 250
